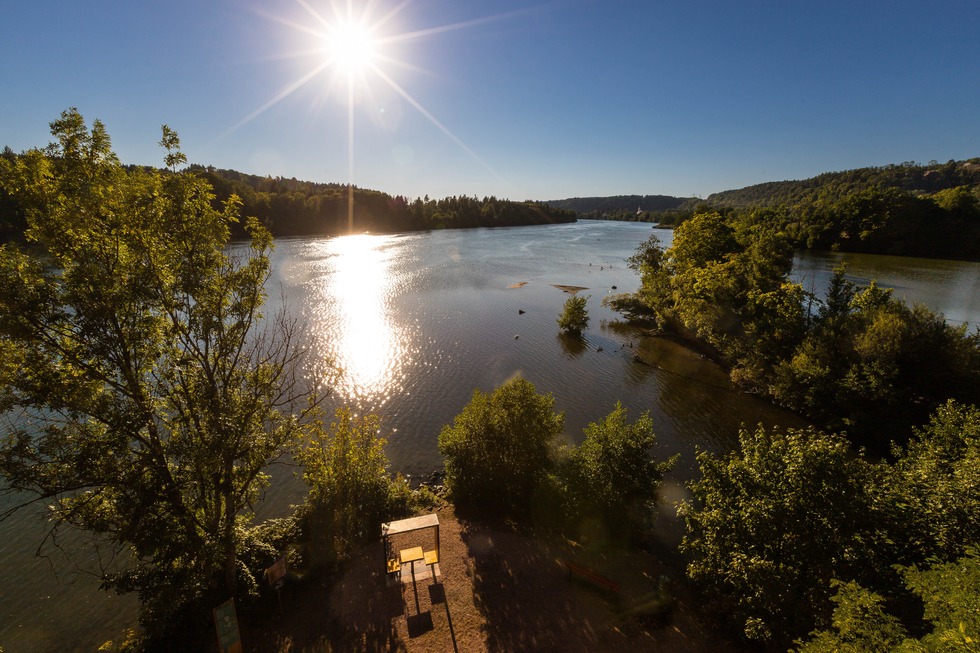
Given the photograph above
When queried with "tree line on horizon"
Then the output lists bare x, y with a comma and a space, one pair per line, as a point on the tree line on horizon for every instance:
290, 207
909, 209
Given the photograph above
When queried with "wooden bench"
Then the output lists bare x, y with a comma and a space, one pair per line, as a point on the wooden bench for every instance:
592, 577
432, 559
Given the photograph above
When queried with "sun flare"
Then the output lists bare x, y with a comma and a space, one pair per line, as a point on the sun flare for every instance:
350, 47
350, 50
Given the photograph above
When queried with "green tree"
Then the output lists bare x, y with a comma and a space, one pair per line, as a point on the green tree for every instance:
350, 488
874, 367
724, 281
653, 296
860, 624
774, 522
612, 479
936, 485
950, 594
574, 318
501, 448
144, 390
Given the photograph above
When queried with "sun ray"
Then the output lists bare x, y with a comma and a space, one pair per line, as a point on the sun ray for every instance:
442, 29
435, 121
276, 99
351, 44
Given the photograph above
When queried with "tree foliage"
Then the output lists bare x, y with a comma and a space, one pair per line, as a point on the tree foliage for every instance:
858, 360
145, 391
351, 491
781, 525
936, 485
611, 479
500, 449
725, 284
950, 592
772, 524
871, 365
575, 317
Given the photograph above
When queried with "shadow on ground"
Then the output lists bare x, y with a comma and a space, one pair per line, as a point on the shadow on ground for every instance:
353, 610
530, 603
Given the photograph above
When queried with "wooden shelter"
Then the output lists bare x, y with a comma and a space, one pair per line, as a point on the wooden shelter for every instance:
394, 560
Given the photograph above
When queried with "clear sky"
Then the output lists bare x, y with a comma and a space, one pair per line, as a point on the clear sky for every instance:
520, 100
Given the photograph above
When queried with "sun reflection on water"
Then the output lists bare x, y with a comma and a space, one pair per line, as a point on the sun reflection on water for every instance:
354, 330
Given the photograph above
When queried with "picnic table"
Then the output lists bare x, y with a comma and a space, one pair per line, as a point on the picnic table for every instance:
410, 556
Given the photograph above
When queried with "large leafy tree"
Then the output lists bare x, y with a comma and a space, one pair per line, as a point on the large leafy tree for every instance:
775, 521
145, 392
612, 479
949, 593
501, 448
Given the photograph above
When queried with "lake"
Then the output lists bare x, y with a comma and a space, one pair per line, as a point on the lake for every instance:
409, 325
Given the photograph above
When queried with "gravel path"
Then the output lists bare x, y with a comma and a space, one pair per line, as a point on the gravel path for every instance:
498, 591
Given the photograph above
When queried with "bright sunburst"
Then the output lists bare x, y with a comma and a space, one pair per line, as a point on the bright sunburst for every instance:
350, 46
349, 49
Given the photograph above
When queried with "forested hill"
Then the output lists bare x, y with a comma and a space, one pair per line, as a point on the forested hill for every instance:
909, 177
290, 207
296, 208
599, 207
906, 209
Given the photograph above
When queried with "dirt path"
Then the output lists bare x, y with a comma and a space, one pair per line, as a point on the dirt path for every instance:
498, 591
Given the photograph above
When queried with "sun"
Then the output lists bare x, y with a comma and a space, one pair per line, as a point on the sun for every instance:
350, 47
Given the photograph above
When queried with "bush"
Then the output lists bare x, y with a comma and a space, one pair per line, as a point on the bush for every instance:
611, 479
575, 318
500, 449
350, 490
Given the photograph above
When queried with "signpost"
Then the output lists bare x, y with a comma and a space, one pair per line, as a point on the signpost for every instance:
276, 577
226, 624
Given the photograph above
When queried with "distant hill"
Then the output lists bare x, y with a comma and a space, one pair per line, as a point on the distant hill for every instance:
918, 179
908, 209
620, 204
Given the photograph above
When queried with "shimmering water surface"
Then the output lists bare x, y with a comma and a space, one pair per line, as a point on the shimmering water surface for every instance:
409, 325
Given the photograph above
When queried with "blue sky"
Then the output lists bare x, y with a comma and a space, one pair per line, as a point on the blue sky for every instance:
514, 99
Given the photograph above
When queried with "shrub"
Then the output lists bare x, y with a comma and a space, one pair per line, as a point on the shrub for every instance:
501, 448
575, 318
611, 478
350, 489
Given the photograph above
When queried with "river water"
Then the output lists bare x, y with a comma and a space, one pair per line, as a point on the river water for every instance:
409, 325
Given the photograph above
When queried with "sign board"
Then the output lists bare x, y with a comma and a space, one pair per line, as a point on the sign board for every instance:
276, 574
226, 624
